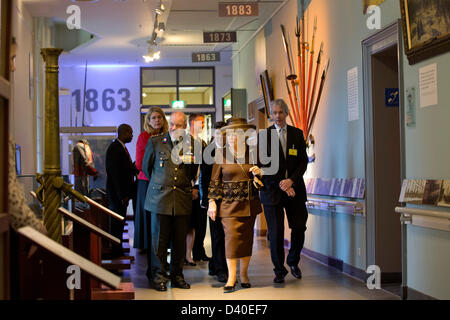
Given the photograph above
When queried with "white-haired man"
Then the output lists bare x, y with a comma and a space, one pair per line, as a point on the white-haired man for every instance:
285, 190
169, 199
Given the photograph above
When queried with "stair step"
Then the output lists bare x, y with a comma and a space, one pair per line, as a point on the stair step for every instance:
124, 292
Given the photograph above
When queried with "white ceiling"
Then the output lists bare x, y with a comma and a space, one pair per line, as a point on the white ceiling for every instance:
123, 28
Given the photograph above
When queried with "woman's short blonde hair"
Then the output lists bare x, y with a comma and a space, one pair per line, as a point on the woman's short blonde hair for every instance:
148, 127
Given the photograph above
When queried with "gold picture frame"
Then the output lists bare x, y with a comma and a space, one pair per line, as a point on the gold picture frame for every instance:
426, 28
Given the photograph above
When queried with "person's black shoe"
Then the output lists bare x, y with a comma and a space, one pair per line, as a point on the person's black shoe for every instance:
228, 289
245, 285
222, 277
279, 278
187, 263
296, 272
160, 286
205, 258
179, 282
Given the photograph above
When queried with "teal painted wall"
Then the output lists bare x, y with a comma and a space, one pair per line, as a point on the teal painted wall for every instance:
340, 144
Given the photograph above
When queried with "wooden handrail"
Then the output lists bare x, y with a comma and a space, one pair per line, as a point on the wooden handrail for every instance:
104, 209
90, 226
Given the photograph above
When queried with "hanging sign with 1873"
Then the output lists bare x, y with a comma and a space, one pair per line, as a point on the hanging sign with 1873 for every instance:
109, 100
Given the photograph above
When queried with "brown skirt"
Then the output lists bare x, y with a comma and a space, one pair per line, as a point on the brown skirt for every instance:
238, 236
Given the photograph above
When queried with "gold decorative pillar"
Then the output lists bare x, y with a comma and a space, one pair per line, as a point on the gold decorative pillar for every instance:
52, 180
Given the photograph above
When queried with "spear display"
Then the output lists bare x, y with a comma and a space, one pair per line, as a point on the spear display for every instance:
319, 57
299, 56
311, 59
319, 95
292, 76
304, 44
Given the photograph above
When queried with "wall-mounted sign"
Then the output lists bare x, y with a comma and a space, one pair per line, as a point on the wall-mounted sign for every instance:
226, 36
178, 104
109, 100
205, 56
238, 9
391, 97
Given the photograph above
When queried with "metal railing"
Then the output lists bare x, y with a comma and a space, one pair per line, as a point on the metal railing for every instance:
434, 219
357, 208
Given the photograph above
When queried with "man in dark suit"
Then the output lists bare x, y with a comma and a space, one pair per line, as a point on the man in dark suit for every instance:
119, 181
285, 190
217, 264
199, 216
169, 164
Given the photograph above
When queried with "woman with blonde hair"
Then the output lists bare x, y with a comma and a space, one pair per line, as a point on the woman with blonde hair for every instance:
155, 123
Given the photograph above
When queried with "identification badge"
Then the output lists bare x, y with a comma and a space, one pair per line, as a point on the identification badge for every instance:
293, 152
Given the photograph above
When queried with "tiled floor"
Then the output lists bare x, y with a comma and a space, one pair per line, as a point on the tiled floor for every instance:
319, 282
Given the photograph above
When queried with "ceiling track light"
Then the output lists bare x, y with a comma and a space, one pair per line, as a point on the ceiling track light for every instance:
152, 55
160, 10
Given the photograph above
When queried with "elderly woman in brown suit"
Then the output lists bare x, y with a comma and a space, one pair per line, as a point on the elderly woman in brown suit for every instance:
233, 196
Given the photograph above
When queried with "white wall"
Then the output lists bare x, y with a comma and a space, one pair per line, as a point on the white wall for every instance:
22, 115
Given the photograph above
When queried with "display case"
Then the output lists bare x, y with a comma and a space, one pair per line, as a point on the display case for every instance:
234, 104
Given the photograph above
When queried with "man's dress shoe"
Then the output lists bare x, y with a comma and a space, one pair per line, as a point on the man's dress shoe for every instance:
279, 278
180, 283
160, 286
296, 272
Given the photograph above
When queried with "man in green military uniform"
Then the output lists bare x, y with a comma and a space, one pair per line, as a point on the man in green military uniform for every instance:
170, 165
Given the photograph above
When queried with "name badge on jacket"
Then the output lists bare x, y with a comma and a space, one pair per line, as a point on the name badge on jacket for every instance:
293, 152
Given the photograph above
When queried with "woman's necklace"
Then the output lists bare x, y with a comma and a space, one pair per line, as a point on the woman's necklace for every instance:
237, 161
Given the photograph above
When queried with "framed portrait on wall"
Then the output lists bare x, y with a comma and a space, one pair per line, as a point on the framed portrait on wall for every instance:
426, 28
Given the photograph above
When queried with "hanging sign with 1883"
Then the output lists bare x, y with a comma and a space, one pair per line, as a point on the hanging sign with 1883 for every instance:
238, 9
205, 56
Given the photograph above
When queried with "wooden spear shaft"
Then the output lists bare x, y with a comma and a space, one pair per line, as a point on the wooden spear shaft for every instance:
319, 57
311, 60
319, 95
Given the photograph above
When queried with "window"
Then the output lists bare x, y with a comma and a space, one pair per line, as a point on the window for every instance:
163, 86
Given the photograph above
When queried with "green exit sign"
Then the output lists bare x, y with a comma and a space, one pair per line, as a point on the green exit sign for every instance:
178, 104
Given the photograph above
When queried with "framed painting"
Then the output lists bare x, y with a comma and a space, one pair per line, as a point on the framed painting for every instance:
426, 28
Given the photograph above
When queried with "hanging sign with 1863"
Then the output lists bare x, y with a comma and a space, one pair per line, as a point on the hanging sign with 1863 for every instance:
109, 100
205, 56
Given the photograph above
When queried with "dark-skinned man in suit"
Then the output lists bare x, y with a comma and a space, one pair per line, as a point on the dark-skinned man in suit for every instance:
119, 181
171, 171
285, 190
